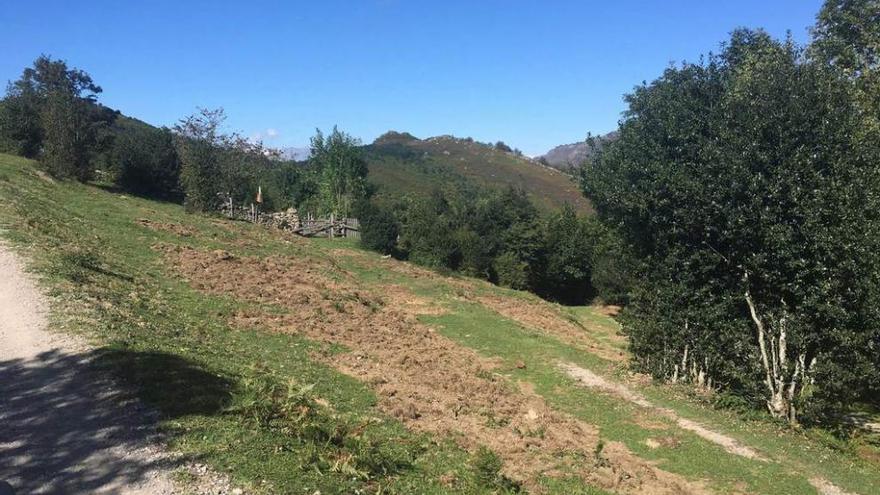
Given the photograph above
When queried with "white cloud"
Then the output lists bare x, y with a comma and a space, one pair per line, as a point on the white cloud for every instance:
267, 135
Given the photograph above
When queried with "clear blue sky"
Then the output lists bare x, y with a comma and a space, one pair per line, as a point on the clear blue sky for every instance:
534, 74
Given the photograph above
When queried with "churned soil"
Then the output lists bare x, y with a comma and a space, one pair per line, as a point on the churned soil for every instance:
425, 380
169, 227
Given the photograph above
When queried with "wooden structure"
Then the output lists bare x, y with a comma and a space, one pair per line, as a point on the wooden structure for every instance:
290, 221
329, 227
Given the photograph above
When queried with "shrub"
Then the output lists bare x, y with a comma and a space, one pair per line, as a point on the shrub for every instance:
379, 229
146, 162
487, 469
511, 271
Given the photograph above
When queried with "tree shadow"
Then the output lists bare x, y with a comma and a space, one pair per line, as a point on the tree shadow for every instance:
174, 199
174, 385
66, 427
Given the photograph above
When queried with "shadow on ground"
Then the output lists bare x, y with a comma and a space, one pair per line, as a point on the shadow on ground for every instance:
66, 428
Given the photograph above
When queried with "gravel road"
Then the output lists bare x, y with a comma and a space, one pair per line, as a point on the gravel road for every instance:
65, 428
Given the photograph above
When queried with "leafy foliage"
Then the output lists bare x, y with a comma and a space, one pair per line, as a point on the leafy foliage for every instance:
487, 466
214, 163
199, 143
341, 170
145, 162
379, 229
750, 173
498, 236
294, 411
50, 113
847, 36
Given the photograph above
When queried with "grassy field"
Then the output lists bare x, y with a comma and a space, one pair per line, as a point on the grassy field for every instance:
299, 365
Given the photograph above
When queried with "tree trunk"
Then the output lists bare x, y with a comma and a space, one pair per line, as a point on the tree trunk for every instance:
783, 382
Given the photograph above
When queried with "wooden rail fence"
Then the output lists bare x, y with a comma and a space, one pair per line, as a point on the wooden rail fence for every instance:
290, 221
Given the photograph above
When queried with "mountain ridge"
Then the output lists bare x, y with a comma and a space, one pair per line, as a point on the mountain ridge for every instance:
400, 163
567, 157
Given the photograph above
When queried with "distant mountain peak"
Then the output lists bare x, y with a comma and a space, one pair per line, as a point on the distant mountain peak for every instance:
395, 137
569, 156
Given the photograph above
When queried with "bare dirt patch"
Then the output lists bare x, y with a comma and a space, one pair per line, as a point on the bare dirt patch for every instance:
402, 298
169, 227
426, 380
825, 487
592, 380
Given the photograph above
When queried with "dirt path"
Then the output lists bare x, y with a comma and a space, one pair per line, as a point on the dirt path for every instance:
65, 428
594, 381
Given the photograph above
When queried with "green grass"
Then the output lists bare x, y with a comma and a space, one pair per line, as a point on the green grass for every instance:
221, 391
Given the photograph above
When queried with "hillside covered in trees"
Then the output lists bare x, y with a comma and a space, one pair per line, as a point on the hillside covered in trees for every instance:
401, 163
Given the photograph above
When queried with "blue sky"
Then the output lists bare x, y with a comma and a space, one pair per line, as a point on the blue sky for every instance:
534, 74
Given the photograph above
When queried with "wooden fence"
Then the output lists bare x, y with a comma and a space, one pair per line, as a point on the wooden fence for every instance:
330, 227
290, 221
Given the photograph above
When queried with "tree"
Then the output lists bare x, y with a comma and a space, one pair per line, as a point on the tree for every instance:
199, 145
20, 128
847, 36
49, 112
379, 229
341, 170
427, 232
745, 186
501, 146
568, 242
145, 162
613, 266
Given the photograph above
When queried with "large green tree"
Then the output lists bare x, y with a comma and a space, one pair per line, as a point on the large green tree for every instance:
847, 36
50, 113
341, 172
747, 186
200, 144
145, 161
569, 243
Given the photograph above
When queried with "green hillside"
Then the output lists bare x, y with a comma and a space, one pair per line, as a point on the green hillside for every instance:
313, 366
400, 163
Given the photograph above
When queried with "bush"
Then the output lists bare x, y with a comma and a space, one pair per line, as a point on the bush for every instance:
379, 229
334, 442
78, 265
511, 271
145, 161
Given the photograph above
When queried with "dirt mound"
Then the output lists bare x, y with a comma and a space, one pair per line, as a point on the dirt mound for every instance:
424, 379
